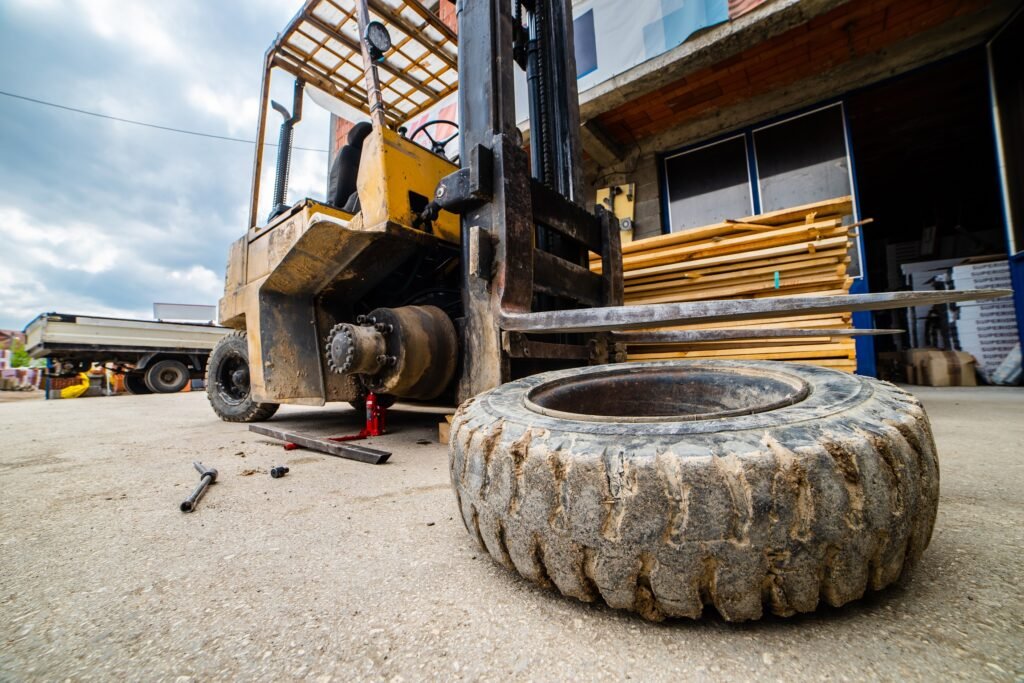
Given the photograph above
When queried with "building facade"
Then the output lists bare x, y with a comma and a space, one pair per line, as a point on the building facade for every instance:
912, 107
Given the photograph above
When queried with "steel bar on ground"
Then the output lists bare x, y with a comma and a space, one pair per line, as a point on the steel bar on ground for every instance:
207, 475
340, 450
609, 318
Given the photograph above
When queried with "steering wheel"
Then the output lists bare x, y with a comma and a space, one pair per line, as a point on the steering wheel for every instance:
436, 146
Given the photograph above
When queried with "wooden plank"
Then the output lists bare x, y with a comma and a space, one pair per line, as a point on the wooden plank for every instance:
743, 346
795, 352
821, 320
731, 243
744, 243
785, 250
338, 449
840, 206
757, 287
834, 255
701, 283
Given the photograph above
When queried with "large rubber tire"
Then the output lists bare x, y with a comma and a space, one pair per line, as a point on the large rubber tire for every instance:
820, 499
229, 396
167, 377
135, 383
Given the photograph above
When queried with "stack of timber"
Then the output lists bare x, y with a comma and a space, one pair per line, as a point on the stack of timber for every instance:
803, 250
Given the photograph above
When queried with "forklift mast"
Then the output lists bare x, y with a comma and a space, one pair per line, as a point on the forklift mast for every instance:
525, 238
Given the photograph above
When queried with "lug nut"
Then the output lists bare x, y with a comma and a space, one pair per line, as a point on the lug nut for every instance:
278, 472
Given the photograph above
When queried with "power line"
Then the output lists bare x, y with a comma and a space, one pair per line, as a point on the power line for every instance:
147, 125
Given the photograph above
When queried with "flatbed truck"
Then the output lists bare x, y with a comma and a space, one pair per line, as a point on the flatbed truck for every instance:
155, 356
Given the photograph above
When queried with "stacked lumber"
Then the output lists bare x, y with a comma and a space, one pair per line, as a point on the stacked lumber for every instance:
792, 252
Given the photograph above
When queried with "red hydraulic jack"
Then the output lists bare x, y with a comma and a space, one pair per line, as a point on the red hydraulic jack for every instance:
376, 417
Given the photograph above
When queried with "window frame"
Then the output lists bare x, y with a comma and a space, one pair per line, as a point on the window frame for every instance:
663, 164
753, 172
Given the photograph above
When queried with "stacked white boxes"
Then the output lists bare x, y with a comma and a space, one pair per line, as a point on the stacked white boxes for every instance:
987, 330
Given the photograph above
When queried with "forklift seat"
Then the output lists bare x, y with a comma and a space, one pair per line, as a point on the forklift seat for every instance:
341, 186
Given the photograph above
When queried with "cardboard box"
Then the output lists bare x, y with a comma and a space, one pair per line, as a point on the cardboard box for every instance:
935, 368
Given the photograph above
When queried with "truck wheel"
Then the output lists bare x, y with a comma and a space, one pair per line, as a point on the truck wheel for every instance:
227, 382
135, 383
166, 377
665, 487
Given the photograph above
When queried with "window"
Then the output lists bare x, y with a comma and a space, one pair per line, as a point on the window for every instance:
802, 160
585, 43
798, 160
708, 184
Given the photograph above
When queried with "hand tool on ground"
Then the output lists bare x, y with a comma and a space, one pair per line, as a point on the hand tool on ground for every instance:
207, 475
327, 446
376, 418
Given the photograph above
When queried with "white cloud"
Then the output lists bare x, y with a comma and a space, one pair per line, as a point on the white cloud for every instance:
73, 245
79, 252
237, 113
200, 280
140, 26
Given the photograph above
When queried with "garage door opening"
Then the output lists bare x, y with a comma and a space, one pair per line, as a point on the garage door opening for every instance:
926, 172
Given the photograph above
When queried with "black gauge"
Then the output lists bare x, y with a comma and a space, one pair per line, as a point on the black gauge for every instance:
378, 40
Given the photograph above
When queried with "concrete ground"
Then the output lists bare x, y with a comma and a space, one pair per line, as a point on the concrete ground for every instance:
345, 571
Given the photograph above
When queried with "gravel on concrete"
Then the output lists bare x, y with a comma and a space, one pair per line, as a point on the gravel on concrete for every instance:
343, 571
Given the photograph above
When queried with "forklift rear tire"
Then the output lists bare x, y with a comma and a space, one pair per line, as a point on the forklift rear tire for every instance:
167, 377
135, 383
227, 382
665, 487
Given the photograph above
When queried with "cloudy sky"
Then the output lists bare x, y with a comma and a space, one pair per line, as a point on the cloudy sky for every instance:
106, 218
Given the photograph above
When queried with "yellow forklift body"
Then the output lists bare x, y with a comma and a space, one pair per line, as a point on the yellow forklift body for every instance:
397, 178
275, 274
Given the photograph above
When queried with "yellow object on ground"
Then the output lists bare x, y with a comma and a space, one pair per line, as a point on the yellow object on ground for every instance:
78, 389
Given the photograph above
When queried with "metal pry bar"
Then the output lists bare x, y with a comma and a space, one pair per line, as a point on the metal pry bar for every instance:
335, 448
610, 318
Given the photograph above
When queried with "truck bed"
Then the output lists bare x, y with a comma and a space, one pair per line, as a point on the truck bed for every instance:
58, 333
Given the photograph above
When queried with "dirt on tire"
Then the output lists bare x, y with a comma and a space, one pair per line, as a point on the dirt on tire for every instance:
822, 499
233, 403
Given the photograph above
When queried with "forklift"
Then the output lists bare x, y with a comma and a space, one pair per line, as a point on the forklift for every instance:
660, 487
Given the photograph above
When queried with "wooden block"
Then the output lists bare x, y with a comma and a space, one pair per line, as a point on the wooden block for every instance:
444, 430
